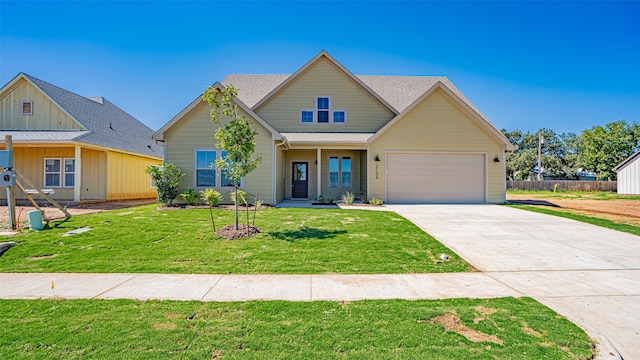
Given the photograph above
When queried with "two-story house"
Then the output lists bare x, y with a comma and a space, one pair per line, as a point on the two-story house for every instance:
323, 131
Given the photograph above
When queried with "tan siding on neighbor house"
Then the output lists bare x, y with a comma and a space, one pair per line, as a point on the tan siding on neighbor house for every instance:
195, 131
46, 114
364, 112
30, 162
126, 178
94, 174
437, 125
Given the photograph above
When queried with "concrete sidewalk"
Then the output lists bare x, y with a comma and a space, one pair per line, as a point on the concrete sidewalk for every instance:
251, 287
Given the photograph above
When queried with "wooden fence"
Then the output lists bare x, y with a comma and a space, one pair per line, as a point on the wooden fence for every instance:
567, 185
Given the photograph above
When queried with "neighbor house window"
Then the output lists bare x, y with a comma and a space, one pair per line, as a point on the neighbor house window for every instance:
323, 113
26, 107
205, 165
207, 174
52, 172
69, 172
59, 172
340, 172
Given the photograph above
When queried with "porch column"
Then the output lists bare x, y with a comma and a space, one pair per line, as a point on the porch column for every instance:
77, 176
319, 173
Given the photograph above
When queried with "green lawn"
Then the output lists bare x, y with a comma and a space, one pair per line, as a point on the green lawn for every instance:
293, 241
505, 328
628, 228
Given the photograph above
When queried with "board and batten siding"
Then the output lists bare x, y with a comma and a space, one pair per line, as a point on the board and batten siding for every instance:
629, 178
437, 125
126, 178
364, 112
195, 131
94, 174
46, 114
30, 162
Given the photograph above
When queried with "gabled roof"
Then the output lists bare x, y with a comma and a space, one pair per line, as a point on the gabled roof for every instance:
627, 161
159, 135
321, 55
104, 124
458, 98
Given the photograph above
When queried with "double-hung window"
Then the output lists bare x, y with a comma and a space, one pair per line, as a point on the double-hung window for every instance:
206, 171
340, 172
58, 175
323, 109
205, 168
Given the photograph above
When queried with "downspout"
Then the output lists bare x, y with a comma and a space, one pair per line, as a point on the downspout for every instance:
273, 170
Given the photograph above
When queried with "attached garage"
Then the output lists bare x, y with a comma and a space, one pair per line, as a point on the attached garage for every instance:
436, 178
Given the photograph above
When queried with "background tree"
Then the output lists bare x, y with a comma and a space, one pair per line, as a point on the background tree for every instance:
237, 138
604, 147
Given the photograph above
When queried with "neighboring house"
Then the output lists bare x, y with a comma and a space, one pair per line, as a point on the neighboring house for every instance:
81, 148
629, 175
324, 131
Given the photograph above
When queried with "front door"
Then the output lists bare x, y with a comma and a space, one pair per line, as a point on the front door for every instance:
300, 182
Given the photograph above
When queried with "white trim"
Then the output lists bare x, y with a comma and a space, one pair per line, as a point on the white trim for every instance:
340, 157
64, 173
217, 172
77, 181
427, 152
333, 112
313, 116
319, 172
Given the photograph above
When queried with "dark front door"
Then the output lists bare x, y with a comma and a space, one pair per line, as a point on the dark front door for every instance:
300, 182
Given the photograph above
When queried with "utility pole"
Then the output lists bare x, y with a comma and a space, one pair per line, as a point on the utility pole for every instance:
540, 142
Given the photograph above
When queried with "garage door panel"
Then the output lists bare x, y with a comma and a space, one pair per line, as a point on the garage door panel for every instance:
436, 178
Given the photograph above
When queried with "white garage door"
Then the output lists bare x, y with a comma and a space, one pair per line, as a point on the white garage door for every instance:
435, 178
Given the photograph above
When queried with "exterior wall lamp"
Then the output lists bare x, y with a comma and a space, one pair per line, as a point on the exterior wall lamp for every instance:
376, 158
496, 159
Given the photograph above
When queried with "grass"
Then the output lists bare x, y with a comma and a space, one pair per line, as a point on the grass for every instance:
293, 241
587, 195
390, 329
628, 228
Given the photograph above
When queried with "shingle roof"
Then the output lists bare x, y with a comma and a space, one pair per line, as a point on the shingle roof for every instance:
398, 91
44, 135
107, 124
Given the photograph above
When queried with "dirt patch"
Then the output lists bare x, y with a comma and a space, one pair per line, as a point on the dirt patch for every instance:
229, 232
622, 211
529, 331
52, 213
451, 322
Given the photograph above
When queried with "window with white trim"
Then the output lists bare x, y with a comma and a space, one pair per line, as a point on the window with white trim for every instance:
206, 172
340, 172
323, 113
26, 107
59, 172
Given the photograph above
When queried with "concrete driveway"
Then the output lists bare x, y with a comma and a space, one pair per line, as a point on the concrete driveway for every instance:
589, 274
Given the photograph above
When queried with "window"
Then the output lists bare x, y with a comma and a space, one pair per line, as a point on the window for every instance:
69, 172
340, 172
207, 174
26, 107
205, 164
306, 116
59, 172
52, 172
323, 113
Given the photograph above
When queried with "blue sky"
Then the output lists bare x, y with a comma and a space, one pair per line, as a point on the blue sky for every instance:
563, 65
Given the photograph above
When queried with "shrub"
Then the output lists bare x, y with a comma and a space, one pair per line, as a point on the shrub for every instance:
211, 197
375, 201
189, 196
166, 178
348, 197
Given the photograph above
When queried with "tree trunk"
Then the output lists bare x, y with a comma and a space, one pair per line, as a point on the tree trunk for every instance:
237, 227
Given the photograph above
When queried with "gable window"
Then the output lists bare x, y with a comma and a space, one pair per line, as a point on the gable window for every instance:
323, 113
340, 172
59, 172
26, 107
206, 172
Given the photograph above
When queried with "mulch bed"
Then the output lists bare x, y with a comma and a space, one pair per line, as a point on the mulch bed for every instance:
229, 232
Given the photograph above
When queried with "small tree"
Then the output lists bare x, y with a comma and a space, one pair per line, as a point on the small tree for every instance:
237, 138
166, 178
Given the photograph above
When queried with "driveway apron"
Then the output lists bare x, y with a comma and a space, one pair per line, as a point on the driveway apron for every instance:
587, 273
